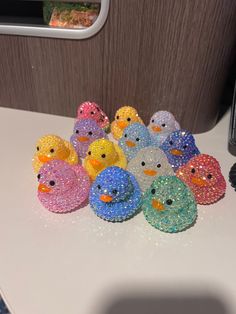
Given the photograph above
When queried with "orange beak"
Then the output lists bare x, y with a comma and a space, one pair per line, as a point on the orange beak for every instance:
156, 128
199, 181
82, 139
130, 144
44, 158
150, 172
43, 188
176, 152
122, 124
96, 164
106, 198
157, 205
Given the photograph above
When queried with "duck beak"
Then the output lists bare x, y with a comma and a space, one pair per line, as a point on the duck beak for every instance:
96, 164
157, 205
43, 188
82, 139
130, 144
106, 198
176, 152
156, 128
150, 172
199, 181
44, 158
122, 124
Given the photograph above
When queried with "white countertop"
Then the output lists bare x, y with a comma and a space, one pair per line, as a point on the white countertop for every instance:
79, 264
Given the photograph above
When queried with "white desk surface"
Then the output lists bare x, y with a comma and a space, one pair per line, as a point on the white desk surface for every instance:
79, 264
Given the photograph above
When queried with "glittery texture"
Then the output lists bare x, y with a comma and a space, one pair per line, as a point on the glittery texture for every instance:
149, 163
124, 116
91, 110
232, 176
51, 147
103, 153
169, 205
62, 187
203, 175
134, 138
161, 124
85, 132
115, 195
179, 147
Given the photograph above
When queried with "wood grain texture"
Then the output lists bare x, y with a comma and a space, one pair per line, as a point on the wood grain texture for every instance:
153, 54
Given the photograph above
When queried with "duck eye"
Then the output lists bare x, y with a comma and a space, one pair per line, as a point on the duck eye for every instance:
90, 133
158, 165
163, 125
115, 192
193, 170
143, 163
153, 191
91, 112
81, 111
103, 156
99, 186
89, 153
171, 142
153, 120
117, 117
185, 146
77, 131
125, 135
37, 148
51, 150
137, 139
209, 176
52, 183
128, 119
38, 176
169, 202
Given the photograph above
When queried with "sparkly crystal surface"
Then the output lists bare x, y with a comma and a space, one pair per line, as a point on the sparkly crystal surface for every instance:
62, 187
124, 116
134, 138
149, 163
169, 205
202, 174
179, 147
85, 132
91, 110
121, 189
161, 124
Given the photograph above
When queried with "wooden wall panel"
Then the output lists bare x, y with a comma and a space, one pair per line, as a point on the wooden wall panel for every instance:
153, 54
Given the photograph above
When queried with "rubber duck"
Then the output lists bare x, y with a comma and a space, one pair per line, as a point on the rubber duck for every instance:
134, 138
124, 116
161, 124
91, 110
62, 187
51, 147
179, 147
115, 195
202, 174
101, 154
149, 163
85, 132
169, 205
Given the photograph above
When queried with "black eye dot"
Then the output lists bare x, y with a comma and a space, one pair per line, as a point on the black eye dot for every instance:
52, 183
92, 112
90, 133
169, 202
37, 148
77, 131
117, 117
128, 119
51, 150
171, 142
114, 191
99, 186
153, 120
153, 191
143, 163
81, 111
158, 165
209, 176
193, 170
103, 156
185, 146
38, 176
125, 135
137, 139
89, 153
163, 125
